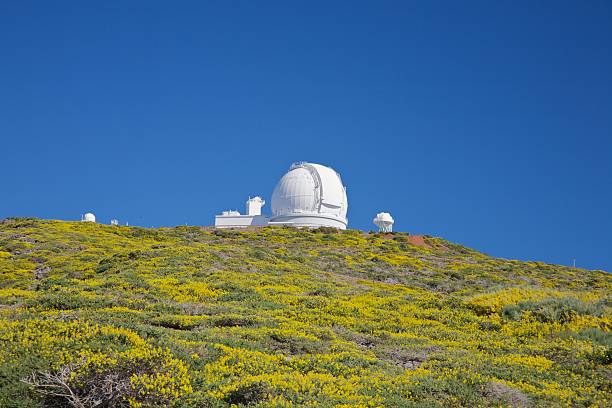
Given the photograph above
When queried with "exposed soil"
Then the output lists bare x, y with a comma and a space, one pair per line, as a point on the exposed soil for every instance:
418, 240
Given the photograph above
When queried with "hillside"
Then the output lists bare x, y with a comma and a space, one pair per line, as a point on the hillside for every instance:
198, 317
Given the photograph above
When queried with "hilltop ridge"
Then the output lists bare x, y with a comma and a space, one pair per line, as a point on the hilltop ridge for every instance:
278, 316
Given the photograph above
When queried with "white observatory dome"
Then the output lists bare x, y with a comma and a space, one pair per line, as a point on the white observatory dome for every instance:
89, 217
310, 195
384, 222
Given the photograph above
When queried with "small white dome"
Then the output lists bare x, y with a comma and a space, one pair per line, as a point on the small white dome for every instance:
89, 217
384, 222
383, 216
310, 195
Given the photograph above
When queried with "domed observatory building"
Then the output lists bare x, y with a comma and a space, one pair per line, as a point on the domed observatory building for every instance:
310, 195
384, 222
88, 217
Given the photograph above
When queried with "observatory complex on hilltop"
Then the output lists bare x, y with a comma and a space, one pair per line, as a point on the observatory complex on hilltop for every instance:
308, 195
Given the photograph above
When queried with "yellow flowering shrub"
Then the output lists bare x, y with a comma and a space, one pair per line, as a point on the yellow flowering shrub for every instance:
184, 291
152, 373
282, 317
488, 303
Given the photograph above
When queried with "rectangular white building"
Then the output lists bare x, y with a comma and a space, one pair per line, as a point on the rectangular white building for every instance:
253, 217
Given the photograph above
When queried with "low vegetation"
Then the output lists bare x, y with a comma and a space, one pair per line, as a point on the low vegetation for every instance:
96, 315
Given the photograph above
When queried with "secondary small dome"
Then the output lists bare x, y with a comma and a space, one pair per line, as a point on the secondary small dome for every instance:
384, 222
88, 217
310, 195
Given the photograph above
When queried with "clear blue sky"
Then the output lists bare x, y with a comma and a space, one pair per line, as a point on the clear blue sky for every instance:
488, 123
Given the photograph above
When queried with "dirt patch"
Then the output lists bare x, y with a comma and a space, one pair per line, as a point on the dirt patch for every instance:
513, 397
418, 240
407, 358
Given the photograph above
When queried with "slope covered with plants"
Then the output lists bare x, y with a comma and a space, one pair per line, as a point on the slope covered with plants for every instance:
195, 317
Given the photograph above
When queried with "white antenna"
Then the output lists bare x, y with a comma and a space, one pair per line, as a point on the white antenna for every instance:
114, 222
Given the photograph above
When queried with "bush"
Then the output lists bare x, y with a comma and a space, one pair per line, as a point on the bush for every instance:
233, 321
249, 394
561, 310
151, 378
325, 230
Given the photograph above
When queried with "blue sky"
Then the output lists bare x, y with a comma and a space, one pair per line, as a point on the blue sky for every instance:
487, 123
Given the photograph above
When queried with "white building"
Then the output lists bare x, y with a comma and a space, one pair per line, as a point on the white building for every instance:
253, 205
253, 217
88, 217
384, 222
308, 195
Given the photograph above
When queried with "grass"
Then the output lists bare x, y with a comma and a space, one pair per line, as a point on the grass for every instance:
274, 317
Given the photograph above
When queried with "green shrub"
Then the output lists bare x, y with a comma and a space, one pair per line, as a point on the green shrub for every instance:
549, 310
250, 394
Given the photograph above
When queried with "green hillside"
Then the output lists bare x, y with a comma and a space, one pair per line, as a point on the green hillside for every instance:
196, 317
